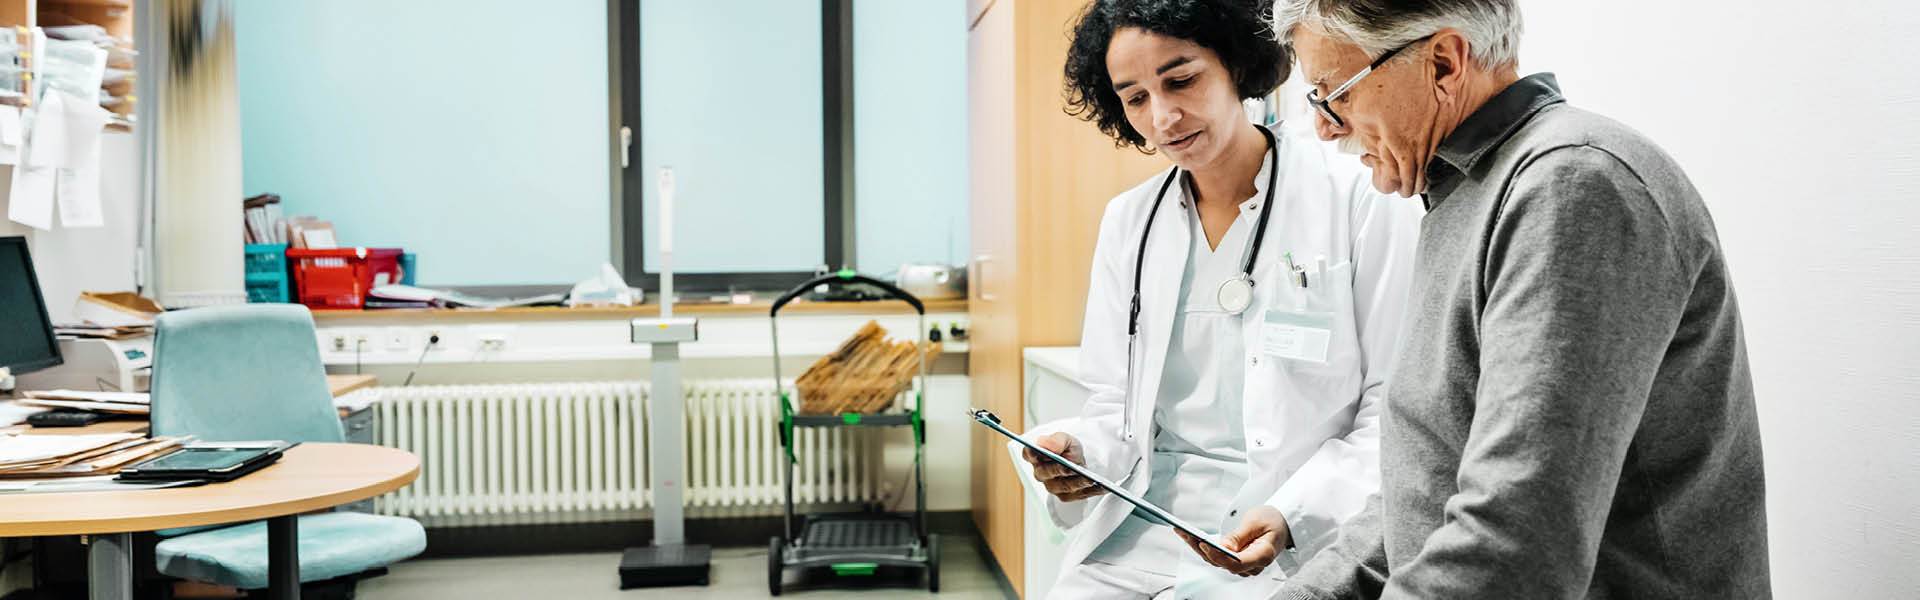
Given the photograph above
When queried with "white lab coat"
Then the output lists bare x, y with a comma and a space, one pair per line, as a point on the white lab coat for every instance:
1311, 430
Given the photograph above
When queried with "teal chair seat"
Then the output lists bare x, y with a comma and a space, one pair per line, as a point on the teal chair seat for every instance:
253, 372
331, 545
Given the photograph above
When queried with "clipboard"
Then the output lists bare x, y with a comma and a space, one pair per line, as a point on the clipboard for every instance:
1142, 508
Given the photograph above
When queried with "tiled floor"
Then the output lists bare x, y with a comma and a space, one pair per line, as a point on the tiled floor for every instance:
737, 573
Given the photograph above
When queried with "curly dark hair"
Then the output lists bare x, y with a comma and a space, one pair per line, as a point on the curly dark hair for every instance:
1237, 30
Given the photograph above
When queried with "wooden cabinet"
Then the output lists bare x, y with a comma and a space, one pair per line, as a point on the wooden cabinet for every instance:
18, 17
1039, 180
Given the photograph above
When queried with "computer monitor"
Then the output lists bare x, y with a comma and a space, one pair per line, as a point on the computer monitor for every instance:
26, 333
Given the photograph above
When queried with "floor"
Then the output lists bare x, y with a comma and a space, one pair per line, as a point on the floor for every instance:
737, 573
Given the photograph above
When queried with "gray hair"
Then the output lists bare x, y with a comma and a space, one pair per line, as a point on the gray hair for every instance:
1492, 27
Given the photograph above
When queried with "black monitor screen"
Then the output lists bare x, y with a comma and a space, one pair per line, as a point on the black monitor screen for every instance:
26, 336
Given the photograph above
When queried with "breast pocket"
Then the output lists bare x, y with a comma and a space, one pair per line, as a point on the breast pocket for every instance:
1306, 336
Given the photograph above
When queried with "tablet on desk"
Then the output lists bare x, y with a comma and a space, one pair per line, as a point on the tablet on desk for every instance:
214, 462
1144, 509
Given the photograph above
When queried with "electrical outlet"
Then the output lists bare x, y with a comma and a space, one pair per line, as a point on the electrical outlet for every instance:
397, 339
338, 342
490, 339
362, 342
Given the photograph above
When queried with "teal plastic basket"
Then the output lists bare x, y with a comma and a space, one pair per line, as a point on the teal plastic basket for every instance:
268, 279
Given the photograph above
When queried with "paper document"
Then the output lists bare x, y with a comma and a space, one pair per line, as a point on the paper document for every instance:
356, 401
79, 193
19, 449
102, 407
47, 141
77, 184
119, 397
13, 413
30, 199
85, 124
12, 138
10, 132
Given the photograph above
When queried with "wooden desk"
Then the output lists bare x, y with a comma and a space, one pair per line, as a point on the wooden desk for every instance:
342, 385
310, 477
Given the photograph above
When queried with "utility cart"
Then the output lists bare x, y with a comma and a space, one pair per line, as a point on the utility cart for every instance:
854, 544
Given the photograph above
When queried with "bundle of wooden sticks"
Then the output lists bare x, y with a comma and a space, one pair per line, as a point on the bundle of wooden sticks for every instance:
863, 376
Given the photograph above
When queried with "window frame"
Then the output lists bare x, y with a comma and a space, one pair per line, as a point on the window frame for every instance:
629, 181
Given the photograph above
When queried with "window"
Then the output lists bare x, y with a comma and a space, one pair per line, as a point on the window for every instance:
474, 134
910, 133
802, 135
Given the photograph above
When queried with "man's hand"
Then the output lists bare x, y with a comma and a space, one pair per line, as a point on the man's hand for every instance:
1060, 481
1263, 532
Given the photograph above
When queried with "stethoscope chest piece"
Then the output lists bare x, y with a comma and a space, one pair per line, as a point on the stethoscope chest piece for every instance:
1236, 294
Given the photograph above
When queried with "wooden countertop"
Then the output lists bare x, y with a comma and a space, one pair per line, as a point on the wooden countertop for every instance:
341, 385
310, 477
759, 308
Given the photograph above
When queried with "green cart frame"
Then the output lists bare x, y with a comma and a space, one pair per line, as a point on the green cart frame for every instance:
854, 543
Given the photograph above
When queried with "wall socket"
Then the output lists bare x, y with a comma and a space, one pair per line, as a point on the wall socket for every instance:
490, 339
397, 339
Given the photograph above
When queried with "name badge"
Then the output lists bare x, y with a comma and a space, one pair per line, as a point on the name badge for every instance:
1296, 335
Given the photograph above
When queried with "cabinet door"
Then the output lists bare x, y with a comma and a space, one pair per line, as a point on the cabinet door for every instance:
993, 346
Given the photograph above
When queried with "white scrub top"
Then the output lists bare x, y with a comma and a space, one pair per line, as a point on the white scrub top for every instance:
1306, 428
1197, 414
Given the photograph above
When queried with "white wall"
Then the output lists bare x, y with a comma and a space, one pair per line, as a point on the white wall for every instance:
69, 261
1800, 124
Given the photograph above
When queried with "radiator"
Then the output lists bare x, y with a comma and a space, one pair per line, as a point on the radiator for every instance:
559, 452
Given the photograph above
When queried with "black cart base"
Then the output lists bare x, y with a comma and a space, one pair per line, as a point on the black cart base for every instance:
855, 545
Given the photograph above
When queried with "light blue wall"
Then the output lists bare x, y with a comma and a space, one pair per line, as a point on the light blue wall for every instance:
473, 132
730, 98
910, 132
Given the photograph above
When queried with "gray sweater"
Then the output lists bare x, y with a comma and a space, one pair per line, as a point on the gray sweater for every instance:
1572, 415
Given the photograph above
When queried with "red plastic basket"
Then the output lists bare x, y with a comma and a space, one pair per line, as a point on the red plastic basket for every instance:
341, 277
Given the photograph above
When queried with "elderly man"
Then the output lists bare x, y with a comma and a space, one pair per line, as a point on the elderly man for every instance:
1573, 415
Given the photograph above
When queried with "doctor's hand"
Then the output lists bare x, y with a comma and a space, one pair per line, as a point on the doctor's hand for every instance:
1263, 532
1060, 481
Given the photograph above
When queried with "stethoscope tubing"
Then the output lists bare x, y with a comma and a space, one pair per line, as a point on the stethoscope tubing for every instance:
1140, 262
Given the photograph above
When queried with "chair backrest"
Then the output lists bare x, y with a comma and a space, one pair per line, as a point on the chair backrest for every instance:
244, 372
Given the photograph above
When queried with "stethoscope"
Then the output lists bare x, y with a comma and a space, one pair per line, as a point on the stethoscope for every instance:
1234, 295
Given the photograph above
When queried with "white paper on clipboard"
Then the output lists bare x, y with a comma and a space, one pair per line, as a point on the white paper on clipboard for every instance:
1144, 509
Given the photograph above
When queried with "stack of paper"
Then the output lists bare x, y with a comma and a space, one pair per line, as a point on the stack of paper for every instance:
41, 456
125, 403
102, 332
265, 225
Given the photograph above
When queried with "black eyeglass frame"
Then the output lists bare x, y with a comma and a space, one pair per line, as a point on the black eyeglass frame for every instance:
1324, 106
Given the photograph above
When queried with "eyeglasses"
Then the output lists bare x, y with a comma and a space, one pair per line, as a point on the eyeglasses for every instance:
1326, 110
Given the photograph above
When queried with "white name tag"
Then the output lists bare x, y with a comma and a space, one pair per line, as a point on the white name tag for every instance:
1297, 335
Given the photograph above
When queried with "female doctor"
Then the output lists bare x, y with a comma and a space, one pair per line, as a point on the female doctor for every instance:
1241, 320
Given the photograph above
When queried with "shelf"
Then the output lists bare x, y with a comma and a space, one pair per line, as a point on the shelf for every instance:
631, 312
886, 420
102, 3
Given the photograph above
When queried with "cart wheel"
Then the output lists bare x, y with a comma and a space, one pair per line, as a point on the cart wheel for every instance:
933, 562
775, 566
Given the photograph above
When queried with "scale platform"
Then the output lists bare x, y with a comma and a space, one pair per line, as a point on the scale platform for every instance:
663, 566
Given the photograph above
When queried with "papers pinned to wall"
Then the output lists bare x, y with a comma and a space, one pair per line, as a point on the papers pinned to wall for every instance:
57, 155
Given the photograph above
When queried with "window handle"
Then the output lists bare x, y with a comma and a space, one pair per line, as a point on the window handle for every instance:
626, 146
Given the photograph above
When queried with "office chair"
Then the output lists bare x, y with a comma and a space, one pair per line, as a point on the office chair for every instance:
253, 372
